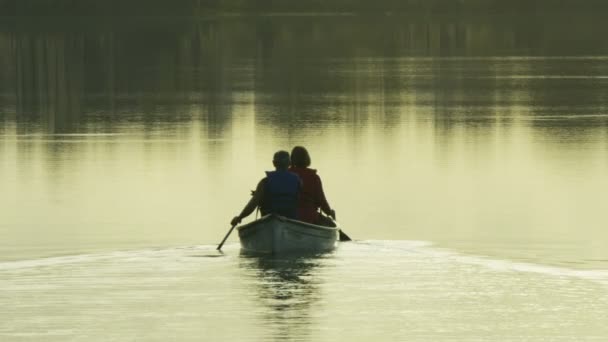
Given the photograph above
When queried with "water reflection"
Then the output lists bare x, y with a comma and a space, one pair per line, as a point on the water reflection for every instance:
296, 67
497, 123
288, 289
49, 77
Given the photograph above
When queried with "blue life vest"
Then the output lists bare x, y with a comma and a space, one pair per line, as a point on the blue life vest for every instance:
281, 194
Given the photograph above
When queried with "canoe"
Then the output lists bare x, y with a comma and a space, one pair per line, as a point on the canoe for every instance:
272, 234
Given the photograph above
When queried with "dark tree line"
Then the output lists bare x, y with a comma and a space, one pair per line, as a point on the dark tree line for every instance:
210, 7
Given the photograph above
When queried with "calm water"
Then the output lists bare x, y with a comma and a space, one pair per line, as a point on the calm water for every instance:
466, 155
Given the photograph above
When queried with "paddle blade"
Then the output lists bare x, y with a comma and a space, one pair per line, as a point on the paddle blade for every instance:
344, 237
219, 247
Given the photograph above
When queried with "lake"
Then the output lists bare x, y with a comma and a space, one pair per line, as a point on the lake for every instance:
466, 155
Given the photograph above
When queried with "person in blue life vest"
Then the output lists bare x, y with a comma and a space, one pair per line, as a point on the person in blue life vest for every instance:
277, 193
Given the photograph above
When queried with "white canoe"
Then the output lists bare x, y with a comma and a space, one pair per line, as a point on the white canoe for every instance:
273, 234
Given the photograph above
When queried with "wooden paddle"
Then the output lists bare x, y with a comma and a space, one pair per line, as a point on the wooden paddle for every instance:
219, 247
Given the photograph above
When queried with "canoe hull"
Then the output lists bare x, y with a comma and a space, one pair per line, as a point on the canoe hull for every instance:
274, 234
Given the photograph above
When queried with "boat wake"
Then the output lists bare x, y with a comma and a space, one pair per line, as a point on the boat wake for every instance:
127, 255
432, 252
386, 250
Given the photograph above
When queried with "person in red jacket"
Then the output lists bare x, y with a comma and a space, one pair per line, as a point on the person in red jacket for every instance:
311, 196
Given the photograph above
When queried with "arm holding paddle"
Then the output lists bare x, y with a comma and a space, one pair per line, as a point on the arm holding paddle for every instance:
254, 202
325, 208
256, 199
321, 200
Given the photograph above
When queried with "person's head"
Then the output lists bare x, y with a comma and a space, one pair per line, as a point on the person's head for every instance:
281, 160
300, 157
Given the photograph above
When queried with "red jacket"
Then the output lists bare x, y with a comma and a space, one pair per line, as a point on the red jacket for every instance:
311, 196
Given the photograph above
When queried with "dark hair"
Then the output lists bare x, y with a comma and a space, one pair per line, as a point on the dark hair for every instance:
300, 157
281, 159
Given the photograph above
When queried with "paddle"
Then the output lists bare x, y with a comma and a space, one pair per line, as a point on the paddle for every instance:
219, 247
343, 236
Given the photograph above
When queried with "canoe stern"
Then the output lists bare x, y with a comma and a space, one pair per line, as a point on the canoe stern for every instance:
275, 234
